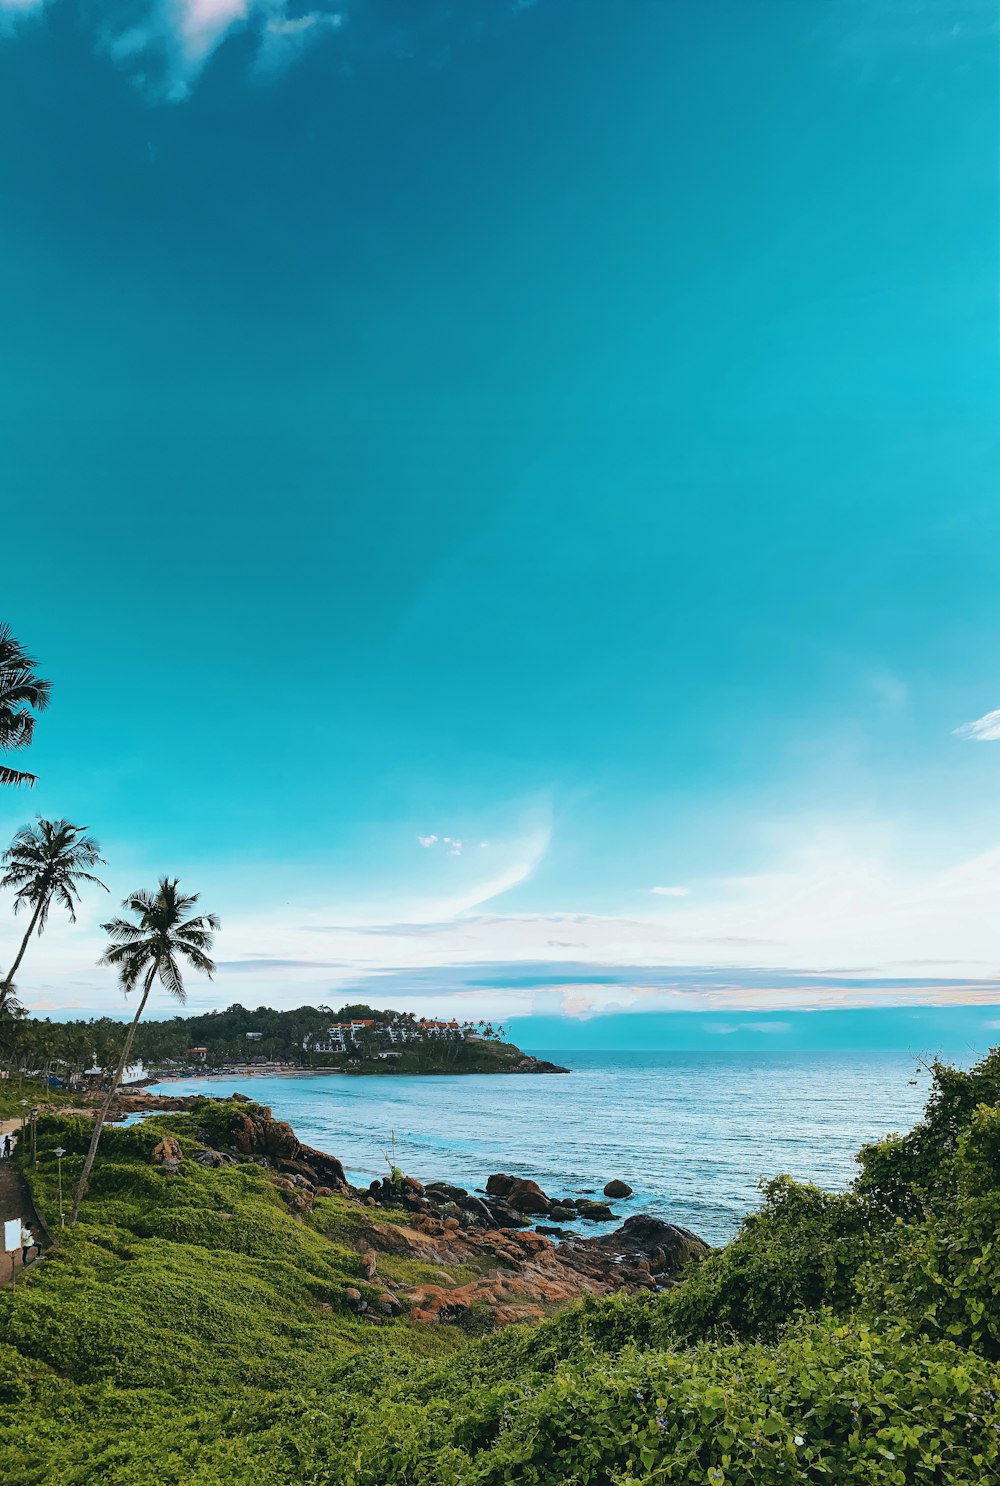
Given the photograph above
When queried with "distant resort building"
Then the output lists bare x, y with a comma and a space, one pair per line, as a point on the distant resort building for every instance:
198, 1052
94, 1077
342, 1037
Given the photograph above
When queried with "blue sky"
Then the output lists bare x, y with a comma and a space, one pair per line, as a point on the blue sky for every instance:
565, 430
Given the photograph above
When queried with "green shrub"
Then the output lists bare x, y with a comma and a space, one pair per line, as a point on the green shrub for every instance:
802, 1250
907, 1176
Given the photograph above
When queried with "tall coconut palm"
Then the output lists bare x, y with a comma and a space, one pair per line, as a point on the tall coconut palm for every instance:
45, 864
156, 946
22, 694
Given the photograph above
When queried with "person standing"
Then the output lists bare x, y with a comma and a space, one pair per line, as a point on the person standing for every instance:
6, 1147
27, 1243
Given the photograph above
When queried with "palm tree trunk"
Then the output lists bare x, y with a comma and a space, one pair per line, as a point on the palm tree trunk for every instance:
8, 984
79, 1191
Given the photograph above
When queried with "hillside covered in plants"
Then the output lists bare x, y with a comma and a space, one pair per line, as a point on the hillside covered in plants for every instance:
237, 1034
203, 1325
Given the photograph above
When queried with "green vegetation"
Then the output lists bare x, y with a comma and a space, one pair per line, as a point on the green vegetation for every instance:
193, 1329
456, 1056
65, 1048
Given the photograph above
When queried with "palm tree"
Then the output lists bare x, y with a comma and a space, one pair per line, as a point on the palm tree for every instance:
21, 694
45, 863
154, 947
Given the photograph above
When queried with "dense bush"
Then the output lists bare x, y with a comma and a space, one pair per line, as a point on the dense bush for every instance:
802, 1250
907, 1176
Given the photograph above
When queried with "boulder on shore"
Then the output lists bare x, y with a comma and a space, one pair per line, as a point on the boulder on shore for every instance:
594, 1212
617, 1188
667, 1247
523, 1195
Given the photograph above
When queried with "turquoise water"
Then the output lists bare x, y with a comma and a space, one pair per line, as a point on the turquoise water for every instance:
691, 1132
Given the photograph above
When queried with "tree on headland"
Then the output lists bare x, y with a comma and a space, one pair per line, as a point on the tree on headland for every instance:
22, 694
165, 935
45, 864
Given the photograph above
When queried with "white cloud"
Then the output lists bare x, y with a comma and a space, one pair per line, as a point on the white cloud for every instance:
850, 915
983, 730
671, 892
165, 43
453, 844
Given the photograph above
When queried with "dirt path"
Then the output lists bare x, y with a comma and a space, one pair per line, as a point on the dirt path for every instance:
15, 1202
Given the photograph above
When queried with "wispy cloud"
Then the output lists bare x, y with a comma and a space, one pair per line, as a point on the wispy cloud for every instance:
671, 892
164, 44
726, 1029
984, 730
452, 843
847, 916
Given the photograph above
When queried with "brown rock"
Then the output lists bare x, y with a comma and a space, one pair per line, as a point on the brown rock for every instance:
527, 1197
617, 1189
167, 1153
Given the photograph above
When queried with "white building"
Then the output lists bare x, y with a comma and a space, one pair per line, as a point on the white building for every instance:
342, 1036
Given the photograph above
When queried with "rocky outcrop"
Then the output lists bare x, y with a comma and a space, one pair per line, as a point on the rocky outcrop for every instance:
523, 1274
168, 1154
617, 1189
528, 1064
256, 1133
642, 1246
214, 1159
522, 1195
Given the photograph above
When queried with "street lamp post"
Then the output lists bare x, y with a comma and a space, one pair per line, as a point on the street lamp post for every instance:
59, 1153
34, 1137
24, 1114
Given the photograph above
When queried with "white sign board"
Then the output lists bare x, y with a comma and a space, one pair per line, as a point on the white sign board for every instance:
12, 1235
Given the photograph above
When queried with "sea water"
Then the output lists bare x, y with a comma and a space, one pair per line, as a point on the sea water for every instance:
692, 1133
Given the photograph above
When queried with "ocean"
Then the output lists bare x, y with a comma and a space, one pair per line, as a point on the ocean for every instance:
691, 1132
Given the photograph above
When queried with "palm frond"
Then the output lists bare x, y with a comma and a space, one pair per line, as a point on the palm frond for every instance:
122, 930
16, 776
68, 900
16, 727
140, 902
199, 961
170, 978
117, 954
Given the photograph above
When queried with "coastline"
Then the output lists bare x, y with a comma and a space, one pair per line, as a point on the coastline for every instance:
528, 1064
664, 1122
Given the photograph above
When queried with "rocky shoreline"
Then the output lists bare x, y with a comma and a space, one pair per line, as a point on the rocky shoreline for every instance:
523, 1265
377, 1068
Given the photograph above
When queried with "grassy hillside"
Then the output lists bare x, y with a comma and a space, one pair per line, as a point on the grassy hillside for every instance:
194, 1330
